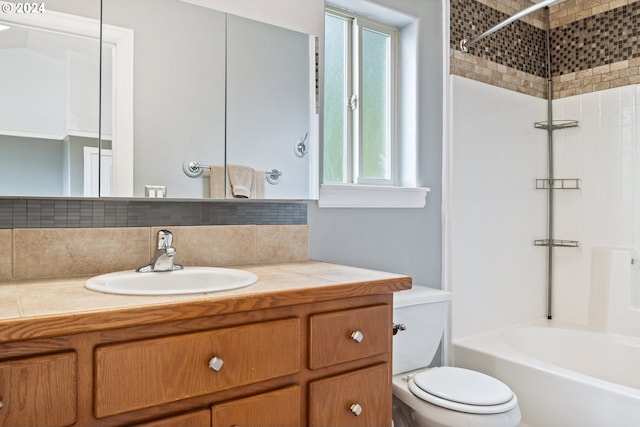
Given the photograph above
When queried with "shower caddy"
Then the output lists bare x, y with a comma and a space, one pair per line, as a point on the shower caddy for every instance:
551, 184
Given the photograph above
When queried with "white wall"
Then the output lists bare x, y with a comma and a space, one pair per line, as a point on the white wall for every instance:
604, 152
497, 275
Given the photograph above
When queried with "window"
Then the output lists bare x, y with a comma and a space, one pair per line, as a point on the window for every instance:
359, 122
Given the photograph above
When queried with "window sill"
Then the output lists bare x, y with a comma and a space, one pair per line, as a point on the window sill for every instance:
371, 196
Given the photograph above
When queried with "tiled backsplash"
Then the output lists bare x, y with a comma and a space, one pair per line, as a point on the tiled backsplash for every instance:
74, 237
65, 213
33, 253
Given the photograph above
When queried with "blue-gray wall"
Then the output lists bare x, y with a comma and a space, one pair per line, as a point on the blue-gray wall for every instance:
406, 241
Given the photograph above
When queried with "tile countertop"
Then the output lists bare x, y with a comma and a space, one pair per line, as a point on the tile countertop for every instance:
53, 307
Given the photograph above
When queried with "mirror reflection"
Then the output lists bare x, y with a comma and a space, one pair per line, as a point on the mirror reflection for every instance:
269, 105
49, 90
169, 98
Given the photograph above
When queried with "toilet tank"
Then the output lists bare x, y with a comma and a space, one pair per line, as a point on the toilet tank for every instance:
424, 312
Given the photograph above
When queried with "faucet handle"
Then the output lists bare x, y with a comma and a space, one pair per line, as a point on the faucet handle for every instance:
165, 239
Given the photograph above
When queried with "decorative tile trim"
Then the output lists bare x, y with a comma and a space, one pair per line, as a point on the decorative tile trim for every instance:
520, 46
618, 74
595, 46
511, 7
574, 10
482, 70
92, 213
598, 40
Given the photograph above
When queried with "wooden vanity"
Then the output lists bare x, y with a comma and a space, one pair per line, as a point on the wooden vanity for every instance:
309, 344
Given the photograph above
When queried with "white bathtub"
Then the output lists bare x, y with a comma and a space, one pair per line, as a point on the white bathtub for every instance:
563, 377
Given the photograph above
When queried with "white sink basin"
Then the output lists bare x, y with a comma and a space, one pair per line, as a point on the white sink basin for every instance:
190, 280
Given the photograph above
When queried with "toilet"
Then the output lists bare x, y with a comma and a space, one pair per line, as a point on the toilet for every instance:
441, 396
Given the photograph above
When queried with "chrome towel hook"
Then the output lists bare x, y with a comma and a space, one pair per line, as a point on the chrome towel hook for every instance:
300, 148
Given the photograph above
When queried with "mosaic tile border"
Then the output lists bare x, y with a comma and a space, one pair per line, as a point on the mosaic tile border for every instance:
573, 10
596, 46
602, 39
520, 46
92, 213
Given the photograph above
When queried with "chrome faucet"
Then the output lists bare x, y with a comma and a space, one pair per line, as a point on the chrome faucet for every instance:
163, 260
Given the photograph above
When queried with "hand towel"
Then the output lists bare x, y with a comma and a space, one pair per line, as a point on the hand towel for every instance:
218, 183
241, 179
257, 190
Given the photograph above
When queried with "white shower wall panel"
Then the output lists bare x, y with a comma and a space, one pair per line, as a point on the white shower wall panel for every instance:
604, 152
497, 275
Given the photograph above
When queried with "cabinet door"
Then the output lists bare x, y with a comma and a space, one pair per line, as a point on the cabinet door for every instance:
355, 399
347, 335
279, 408
141, 374
201, 418
39, 391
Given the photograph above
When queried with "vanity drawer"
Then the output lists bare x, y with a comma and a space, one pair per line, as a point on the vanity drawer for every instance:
356, 399
39, 391
201, 418
278, 408
347, 335
141, 374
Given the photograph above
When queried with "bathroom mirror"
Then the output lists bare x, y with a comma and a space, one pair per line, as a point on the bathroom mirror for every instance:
165, 102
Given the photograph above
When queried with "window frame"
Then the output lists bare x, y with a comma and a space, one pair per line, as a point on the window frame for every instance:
352, 163
404, 193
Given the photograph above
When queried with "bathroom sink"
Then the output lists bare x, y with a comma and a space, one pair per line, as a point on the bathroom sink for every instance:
190, 280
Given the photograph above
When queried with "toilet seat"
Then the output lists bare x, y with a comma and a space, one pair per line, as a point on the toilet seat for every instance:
463, 390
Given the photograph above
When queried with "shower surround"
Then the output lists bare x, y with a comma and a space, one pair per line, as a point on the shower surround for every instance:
494, 266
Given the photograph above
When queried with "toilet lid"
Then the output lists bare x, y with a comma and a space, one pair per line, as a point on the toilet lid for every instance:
463, 390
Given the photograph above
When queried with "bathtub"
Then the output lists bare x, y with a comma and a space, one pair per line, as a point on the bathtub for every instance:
563, 376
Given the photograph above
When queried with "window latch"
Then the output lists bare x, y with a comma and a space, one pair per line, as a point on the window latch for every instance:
353, 102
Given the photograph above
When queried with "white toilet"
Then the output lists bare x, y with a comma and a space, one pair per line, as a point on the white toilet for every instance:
442, 396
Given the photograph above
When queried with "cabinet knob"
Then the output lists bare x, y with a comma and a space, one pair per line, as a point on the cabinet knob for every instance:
216, 363
1, 405
356, 409
357, 336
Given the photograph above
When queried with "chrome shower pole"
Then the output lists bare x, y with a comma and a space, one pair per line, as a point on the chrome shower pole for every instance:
550, 168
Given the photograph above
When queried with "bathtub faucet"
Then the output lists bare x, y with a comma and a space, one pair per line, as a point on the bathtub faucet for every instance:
163, 259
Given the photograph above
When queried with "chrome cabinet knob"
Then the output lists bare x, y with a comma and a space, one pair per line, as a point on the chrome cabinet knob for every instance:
356, 409
357, 336
216, 363
1, 405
